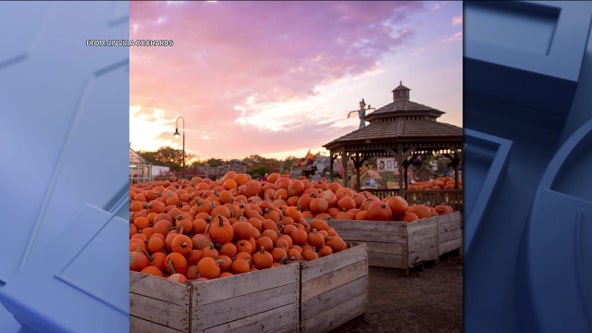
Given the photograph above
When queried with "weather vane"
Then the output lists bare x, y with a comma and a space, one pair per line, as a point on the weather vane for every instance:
361, 112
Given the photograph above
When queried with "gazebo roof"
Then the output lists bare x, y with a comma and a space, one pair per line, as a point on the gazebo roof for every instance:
401, 121
399, 131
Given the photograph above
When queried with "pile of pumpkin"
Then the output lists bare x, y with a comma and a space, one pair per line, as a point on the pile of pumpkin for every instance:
440, 183
203, 229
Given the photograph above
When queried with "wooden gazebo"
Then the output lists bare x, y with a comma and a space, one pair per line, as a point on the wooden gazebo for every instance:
402, 129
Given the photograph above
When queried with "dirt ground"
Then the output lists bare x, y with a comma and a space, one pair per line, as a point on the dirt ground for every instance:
430, 299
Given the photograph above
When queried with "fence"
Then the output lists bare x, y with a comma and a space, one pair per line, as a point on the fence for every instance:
454, 198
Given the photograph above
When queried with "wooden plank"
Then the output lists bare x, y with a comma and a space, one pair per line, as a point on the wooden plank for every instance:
282, 319
450, 222
159, 288
424, 255
394, 248
216, 290
164, 313
387, 260
419, 244
331, 298
333, 279
425, 228
218, 313
451, 235
370, 235
139, 325
450, 246
324, 265
335, 317
395, 227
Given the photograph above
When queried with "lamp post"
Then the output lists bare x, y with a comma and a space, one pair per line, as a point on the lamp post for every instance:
177, 134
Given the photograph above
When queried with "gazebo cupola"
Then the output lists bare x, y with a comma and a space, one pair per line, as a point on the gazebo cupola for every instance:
401, 93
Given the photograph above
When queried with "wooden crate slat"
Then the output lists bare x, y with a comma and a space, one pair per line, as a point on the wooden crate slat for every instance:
159, 288
244, 306
282, 319
343, 293
387, 260
419, 244
335, 317
369, 236
450, 246
324, 265
421, 256
222, 289
394, 227
392, 248
167, 314
425, 228
451, 235
334, 279
139, 325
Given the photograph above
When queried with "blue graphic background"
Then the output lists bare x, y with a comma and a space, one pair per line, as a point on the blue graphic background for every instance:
528, 77
64, 119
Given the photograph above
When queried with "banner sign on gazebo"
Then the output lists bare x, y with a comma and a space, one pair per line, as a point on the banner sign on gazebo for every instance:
386, 164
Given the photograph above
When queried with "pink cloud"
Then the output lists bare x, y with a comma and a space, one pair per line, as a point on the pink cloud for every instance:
274, 51
457, 20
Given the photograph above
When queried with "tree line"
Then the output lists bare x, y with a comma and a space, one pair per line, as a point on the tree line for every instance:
257, 165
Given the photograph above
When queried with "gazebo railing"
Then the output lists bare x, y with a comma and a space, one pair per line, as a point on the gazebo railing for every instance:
454, 198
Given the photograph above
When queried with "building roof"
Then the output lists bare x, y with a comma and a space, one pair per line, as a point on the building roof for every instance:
135, 158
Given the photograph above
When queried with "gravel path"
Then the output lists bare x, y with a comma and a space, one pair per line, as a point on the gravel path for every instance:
430, 299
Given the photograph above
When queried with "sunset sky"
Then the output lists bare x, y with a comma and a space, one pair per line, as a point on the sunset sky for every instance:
278, 78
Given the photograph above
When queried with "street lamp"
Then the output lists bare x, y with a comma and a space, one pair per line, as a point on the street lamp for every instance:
177, 135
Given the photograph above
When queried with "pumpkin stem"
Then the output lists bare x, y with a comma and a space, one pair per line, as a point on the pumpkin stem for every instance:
148, 255
221, 224
172, 267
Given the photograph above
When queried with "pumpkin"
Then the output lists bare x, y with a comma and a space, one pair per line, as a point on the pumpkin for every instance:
180, 278
221, 231
138, 260
228, 249
443, 209
262, 259
299, 236
398, 206
336, 243
240, 266
175, 263
208, 267
152, 270
265, 243
316, 239
379, 211
182, 244
318, 205
279, 254
422, 211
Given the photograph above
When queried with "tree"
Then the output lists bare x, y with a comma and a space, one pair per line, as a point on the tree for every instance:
165, 156
289, 161
258, 172
214, 162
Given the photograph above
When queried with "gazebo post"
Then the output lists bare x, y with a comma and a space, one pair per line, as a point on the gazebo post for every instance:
344, 160
357, 165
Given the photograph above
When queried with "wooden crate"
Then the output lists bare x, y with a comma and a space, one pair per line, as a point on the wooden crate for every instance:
260, 301
393, 244
450, 235
158, 305
334, 289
